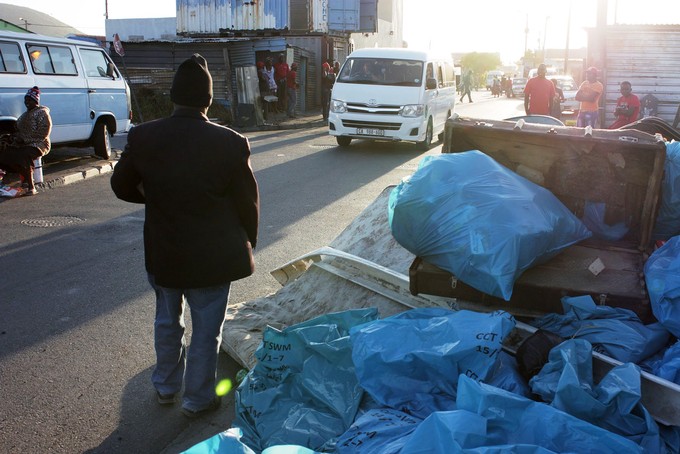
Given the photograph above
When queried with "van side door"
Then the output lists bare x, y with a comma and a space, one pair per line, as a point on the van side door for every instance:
107, 89
62, 89
432, 94
15, 80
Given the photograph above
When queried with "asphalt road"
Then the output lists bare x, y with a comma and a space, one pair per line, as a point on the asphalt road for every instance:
76, 340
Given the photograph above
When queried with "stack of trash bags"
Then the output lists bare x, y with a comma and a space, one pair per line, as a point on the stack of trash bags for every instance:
438, 381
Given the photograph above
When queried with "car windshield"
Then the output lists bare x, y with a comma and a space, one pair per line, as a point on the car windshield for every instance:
566, 83
382, 71
519, 81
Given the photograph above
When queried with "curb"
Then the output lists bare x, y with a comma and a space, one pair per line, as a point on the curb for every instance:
83, 172
73, 176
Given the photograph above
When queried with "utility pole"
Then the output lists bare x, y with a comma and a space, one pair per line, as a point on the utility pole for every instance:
25, 21
545, 33
566, 47
106, 9
526, 36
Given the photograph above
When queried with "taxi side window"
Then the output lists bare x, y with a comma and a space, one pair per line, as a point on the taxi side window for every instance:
52, 60
10, 58
95, 63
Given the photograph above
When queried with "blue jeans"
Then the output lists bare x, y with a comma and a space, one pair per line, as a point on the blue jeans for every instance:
292, 101
208, 308
586, 118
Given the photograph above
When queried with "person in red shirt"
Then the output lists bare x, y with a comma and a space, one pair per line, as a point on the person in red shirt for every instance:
280, 72
627, 107
291, 89
539, 93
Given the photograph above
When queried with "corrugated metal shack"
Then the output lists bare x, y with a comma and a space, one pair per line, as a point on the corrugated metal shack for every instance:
648, 56
235, 34
232, 61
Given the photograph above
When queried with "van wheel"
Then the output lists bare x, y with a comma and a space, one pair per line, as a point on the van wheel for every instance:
343, 141
425, 144
100, 140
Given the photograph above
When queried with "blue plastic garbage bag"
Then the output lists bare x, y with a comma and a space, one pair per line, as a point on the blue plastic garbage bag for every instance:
460, 431
469, 215
227, 442
516, 420
604, 327
566, 382
506, 376
288, 449
411, 361
666, 364
303, 390
593, 218
382, 430
667, 222
662, 275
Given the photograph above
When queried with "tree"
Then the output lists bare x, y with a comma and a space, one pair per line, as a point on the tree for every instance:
480, 63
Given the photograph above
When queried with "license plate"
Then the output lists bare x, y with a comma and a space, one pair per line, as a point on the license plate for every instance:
370, 132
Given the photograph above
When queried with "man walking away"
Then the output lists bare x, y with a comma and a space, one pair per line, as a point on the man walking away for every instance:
539, 93
466, 86
627, 107
588, 94
197, 238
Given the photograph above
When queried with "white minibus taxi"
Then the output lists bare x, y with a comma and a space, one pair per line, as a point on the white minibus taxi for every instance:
88, 98
392, 94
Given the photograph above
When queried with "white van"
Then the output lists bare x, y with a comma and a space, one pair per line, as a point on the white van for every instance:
392, 94
491, 75
88, 98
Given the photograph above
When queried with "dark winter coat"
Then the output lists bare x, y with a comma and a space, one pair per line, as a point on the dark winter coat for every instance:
201, 196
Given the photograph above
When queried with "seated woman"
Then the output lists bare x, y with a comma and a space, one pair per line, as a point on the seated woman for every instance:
30, 141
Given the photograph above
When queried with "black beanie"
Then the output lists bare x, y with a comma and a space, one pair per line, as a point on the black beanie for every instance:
192, 85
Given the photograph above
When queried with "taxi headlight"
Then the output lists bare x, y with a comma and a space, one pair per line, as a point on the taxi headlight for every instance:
412, 110
338, 106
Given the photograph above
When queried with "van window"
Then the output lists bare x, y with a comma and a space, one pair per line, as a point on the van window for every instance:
382, 71
10, 58
440, 75
95, 63
52, 60
449, 75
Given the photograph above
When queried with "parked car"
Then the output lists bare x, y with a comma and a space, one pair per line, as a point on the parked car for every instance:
518, 84
88, 97
569, 89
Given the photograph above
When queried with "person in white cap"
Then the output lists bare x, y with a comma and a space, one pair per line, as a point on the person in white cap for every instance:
30, 142
198, 237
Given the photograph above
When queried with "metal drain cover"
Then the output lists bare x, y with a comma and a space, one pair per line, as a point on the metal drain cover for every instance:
52, 221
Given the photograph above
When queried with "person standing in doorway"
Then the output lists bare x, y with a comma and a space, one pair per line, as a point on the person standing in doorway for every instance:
280, 72
627, 106
539, 93
291, 89
466, 86
327, 81
588, 95
198, 238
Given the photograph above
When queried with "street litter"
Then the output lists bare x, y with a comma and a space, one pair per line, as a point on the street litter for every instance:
9, 191
350, 383
364, 360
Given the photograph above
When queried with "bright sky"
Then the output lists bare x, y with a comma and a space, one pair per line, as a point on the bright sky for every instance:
445, 25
